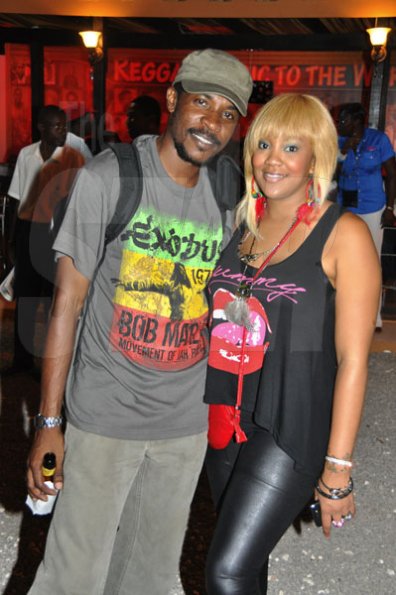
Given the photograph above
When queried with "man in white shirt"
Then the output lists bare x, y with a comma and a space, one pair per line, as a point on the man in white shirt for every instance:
78, 144
43, 175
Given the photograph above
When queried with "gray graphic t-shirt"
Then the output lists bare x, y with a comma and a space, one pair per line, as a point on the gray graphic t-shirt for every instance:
139, 368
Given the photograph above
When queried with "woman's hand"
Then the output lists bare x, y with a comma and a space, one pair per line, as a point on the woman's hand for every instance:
335, 513
338, 511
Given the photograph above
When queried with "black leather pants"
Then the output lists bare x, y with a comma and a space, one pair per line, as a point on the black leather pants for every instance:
258, 494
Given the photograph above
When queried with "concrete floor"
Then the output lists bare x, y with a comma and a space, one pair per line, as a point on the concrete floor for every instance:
359, 559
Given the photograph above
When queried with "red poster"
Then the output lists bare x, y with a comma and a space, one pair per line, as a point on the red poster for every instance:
18, 95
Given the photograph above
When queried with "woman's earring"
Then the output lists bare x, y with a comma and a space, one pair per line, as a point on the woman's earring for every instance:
255, 192
310, 197
260, 200
260, 204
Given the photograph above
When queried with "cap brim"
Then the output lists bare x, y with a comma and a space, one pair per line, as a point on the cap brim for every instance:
202, 87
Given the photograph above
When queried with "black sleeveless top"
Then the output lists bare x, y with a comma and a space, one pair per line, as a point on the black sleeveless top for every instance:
290, 361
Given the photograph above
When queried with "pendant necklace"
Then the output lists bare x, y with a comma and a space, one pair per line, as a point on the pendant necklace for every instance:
237, 311
253, 256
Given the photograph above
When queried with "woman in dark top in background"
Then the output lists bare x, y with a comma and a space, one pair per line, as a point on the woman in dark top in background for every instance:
293, 338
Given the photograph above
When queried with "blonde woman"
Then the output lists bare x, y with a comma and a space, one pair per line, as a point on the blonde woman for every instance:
294, 301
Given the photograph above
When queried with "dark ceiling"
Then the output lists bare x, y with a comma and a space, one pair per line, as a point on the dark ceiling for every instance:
268, 34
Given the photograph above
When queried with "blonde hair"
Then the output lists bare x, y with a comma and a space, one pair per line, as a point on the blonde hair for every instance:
296, 115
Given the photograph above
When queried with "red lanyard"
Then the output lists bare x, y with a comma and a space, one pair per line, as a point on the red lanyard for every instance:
239, 434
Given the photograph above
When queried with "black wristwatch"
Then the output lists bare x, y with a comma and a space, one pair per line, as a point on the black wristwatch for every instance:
40, 421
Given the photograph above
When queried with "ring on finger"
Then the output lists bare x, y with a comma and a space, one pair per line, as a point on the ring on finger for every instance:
347, 517
338, 524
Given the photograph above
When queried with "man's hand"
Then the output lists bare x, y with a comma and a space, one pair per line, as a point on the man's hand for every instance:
388, 218
46, 440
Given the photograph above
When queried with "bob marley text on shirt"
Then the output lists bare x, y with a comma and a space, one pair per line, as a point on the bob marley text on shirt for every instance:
160, 310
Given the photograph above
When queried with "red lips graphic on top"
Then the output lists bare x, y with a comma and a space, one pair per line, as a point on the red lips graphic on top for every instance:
226, 339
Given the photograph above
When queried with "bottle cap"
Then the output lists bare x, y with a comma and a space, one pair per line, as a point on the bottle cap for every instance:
49, 464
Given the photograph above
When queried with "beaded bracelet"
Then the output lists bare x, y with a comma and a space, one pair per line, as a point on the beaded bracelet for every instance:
341, 462
335, 493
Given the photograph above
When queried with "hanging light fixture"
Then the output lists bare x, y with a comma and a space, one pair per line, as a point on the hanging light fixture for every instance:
93, 42
378, 38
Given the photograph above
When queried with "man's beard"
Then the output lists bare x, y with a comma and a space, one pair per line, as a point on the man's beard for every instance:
182, 153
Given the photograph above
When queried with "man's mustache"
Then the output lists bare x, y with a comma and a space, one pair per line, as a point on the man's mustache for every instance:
209, 135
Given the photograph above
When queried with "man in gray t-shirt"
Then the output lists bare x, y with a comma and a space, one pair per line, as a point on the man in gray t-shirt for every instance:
128, 332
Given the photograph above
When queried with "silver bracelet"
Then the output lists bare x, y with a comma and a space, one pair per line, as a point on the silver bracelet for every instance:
335, 493
336, 461
40, 421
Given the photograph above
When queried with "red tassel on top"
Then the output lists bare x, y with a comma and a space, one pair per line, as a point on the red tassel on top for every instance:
240, 435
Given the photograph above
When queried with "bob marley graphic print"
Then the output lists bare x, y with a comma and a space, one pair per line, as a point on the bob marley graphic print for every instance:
160, 310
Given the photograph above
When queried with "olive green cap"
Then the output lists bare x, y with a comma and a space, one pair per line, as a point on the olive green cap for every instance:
218, 72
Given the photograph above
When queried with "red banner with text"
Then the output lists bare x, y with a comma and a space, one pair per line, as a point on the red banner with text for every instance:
334, 77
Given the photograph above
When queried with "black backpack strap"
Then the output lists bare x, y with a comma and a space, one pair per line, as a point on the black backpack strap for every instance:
131, 188
224, 173
226, 180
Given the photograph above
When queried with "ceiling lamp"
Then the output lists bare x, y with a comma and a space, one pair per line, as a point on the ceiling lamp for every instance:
378, 37
93, 41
